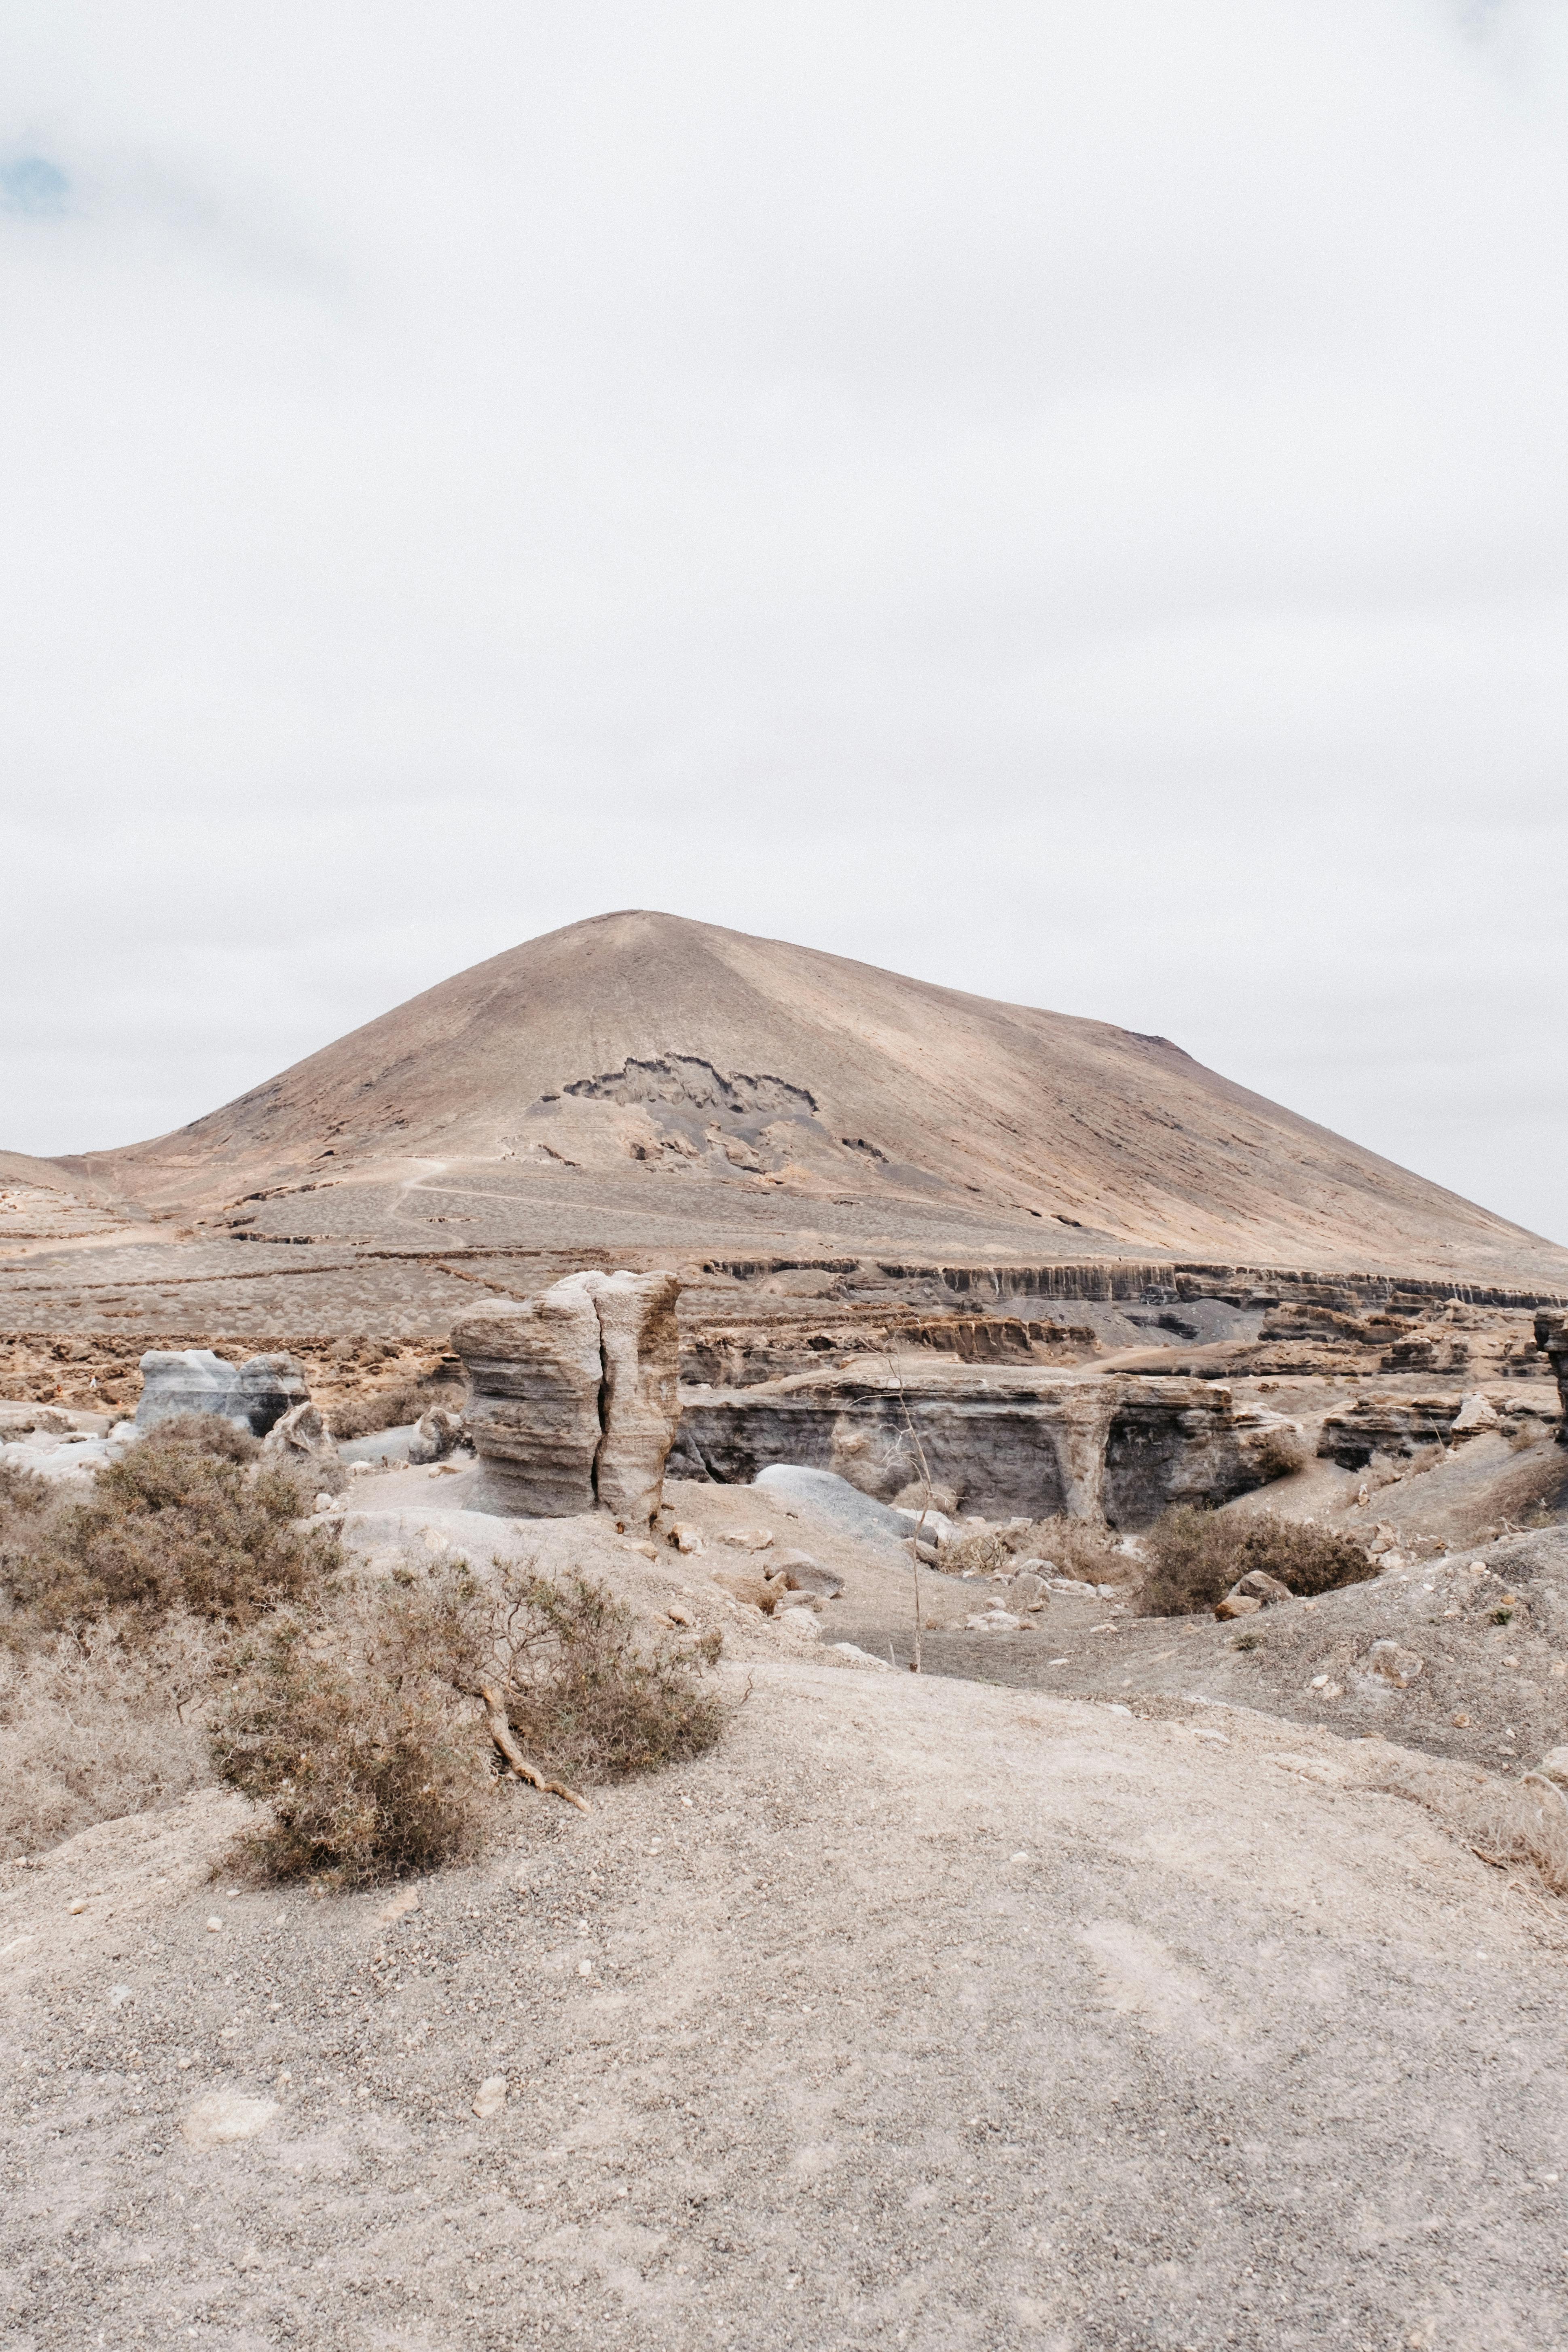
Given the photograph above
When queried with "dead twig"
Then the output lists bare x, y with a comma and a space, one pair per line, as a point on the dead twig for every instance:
505, 1740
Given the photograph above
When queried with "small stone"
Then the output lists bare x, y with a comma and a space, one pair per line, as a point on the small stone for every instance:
1258, 1585
1461, 1722
118, 1995
1511, 1661
491, 2098
79, 1905
680, 1616
992, 1620
214, 1925
1236, 1604
1394, 1664
637, 1544
748, 1538
1317, 1682
224, 2115
686, 1540
584, 1968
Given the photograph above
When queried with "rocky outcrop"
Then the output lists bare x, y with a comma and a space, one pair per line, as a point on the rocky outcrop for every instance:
573, 1396
253, 1395
1551, 1338
1395, 1427
1087, 1446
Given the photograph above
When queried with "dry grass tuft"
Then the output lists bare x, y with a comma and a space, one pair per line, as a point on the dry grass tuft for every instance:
1280, 1454
1069, 1547
1512, 1824
93, 1726
393, 1407
1196, 1555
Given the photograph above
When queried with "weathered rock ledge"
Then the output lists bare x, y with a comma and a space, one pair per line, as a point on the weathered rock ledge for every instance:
1087, 1445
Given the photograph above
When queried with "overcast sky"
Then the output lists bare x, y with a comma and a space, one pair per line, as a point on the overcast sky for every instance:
1066, 501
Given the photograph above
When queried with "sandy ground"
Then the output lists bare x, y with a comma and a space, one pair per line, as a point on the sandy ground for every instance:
918, 2013
913, 2015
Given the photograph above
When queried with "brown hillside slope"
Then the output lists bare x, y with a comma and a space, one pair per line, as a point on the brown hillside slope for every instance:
673, 1072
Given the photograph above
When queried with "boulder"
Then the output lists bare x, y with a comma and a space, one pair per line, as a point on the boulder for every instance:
1026, 1590
1258, 1585
1474, 1416
253, 1395
754, 1591
1236, 1604
830, 1499
434, 1434
798, 1572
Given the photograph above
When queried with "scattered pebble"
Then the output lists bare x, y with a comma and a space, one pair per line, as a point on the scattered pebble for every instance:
214, 1925
224, 2116
491, 2098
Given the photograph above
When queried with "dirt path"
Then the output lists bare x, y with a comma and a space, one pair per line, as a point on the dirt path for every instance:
917, 2014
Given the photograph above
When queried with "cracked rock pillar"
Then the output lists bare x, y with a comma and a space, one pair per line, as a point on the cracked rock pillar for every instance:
573, 1394
640, 1410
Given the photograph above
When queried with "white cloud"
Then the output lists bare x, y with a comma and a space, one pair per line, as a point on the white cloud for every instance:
1066, 502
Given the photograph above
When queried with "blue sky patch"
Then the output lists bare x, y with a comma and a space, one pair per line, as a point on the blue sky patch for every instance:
32, 185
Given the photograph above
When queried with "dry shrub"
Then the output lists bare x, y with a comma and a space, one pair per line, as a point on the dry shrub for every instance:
371, 1763
1074, 1547
983, 1552
361, 1726
190, 1520
590, 1696
1280, 1454
92, 1727
1196, 1555
1077, 1547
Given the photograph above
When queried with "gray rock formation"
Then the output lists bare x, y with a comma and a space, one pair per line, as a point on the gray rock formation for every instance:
253, 1395
301, 1439
572, 1395
435, 1434
1080, 1445
1552, 1334
535, 1368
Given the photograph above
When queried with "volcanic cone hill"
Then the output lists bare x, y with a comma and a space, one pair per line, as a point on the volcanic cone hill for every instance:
640, 1079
